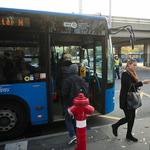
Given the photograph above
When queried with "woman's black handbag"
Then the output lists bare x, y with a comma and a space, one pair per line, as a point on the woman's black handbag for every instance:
133, 98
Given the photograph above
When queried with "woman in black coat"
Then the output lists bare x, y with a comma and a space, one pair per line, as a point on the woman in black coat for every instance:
128, 76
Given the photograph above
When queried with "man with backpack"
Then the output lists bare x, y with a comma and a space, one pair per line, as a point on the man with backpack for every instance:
72, 86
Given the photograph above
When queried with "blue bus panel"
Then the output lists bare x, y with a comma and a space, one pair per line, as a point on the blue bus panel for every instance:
109, 101
34, 94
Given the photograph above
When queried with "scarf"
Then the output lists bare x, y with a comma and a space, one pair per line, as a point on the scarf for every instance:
133, 73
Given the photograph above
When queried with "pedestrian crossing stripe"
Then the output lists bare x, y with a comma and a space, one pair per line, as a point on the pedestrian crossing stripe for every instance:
16, 146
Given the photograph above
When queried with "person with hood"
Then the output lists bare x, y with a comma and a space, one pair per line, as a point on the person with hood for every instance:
63, 73
66, 89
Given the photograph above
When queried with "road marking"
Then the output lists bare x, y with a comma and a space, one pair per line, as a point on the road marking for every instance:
141, 94
16, 146
110, 117
116, 118
144, 94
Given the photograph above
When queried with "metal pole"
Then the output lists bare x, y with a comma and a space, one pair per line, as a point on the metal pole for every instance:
109, 13
110, 20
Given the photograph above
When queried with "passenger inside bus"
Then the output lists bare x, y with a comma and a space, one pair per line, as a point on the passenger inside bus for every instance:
14, 67
61, 60
8, 67
24, 68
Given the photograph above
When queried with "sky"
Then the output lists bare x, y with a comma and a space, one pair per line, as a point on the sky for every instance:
123, 8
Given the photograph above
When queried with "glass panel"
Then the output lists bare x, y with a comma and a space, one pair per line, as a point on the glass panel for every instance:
98, 61
91, 61
59, 50
73, 50
84, 62
18, 62
110, 68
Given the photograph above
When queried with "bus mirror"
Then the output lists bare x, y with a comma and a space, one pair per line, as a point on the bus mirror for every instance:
131, 41
129, 30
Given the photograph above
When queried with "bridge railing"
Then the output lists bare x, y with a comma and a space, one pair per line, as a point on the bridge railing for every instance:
128, 20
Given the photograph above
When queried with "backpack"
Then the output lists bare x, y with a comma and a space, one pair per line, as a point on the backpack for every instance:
78, 86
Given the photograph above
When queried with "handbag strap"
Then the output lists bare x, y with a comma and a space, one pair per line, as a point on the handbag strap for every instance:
133, 87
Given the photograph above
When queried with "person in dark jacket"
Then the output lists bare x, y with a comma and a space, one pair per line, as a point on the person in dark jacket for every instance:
63, 73
128, 77
69, 101
61, 59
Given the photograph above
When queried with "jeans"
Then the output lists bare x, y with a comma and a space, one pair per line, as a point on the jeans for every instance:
71, 127
117, 72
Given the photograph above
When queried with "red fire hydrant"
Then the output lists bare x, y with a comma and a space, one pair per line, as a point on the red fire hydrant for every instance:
81, 107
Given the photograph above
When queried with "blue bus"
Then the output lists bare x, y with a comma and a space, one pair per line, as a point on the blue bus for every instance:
31, 43
137, 56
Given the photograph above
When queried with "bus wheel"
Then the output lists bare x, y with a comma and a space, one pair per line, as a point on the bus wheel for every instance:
12, 119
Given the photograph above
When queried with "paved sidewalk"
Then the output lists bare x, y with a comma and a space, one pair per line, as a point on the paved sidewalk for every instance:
141, 131
98, 138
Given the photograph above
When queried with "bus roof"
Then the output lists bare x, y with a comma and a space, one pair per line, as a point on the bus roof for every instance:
52, 13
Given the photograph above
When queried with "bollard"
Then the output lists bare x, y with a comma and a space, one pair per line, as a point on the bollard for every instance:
81, 107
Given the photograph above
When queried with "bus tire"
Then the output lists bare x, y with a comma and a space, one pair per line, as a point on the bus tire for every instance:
13, 119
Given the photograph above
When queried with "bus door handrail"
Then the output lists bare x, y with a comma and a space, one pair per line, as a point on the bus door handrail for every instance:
96, 79
88, 76
52, 86
98, 83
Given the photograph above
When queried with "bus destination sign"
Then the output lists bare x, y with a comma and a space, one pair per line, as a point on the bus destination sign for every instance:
14, 21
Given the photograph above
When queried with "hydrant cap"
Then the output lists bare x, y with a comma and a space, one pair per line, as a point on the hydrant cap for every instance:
81, 100
80, 95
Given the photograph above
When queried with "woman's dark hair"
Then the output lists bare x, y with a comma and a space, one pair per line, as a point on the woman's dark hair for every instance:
131, 61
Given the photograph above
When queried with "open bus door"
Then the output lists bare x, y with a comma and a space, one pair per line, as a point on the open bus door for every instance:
91, 55
98, 89
94, 55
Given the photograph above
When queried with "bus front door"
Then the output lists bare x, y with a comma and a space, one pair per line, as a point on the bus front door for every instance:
97, 101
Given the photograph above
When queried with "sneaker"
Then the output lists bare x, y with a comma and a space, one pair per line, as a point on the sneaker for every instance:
75, 142
72, 139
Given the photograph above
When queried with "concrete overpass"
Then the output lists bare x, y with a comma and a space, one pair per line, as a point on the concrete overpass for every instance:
141, 29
